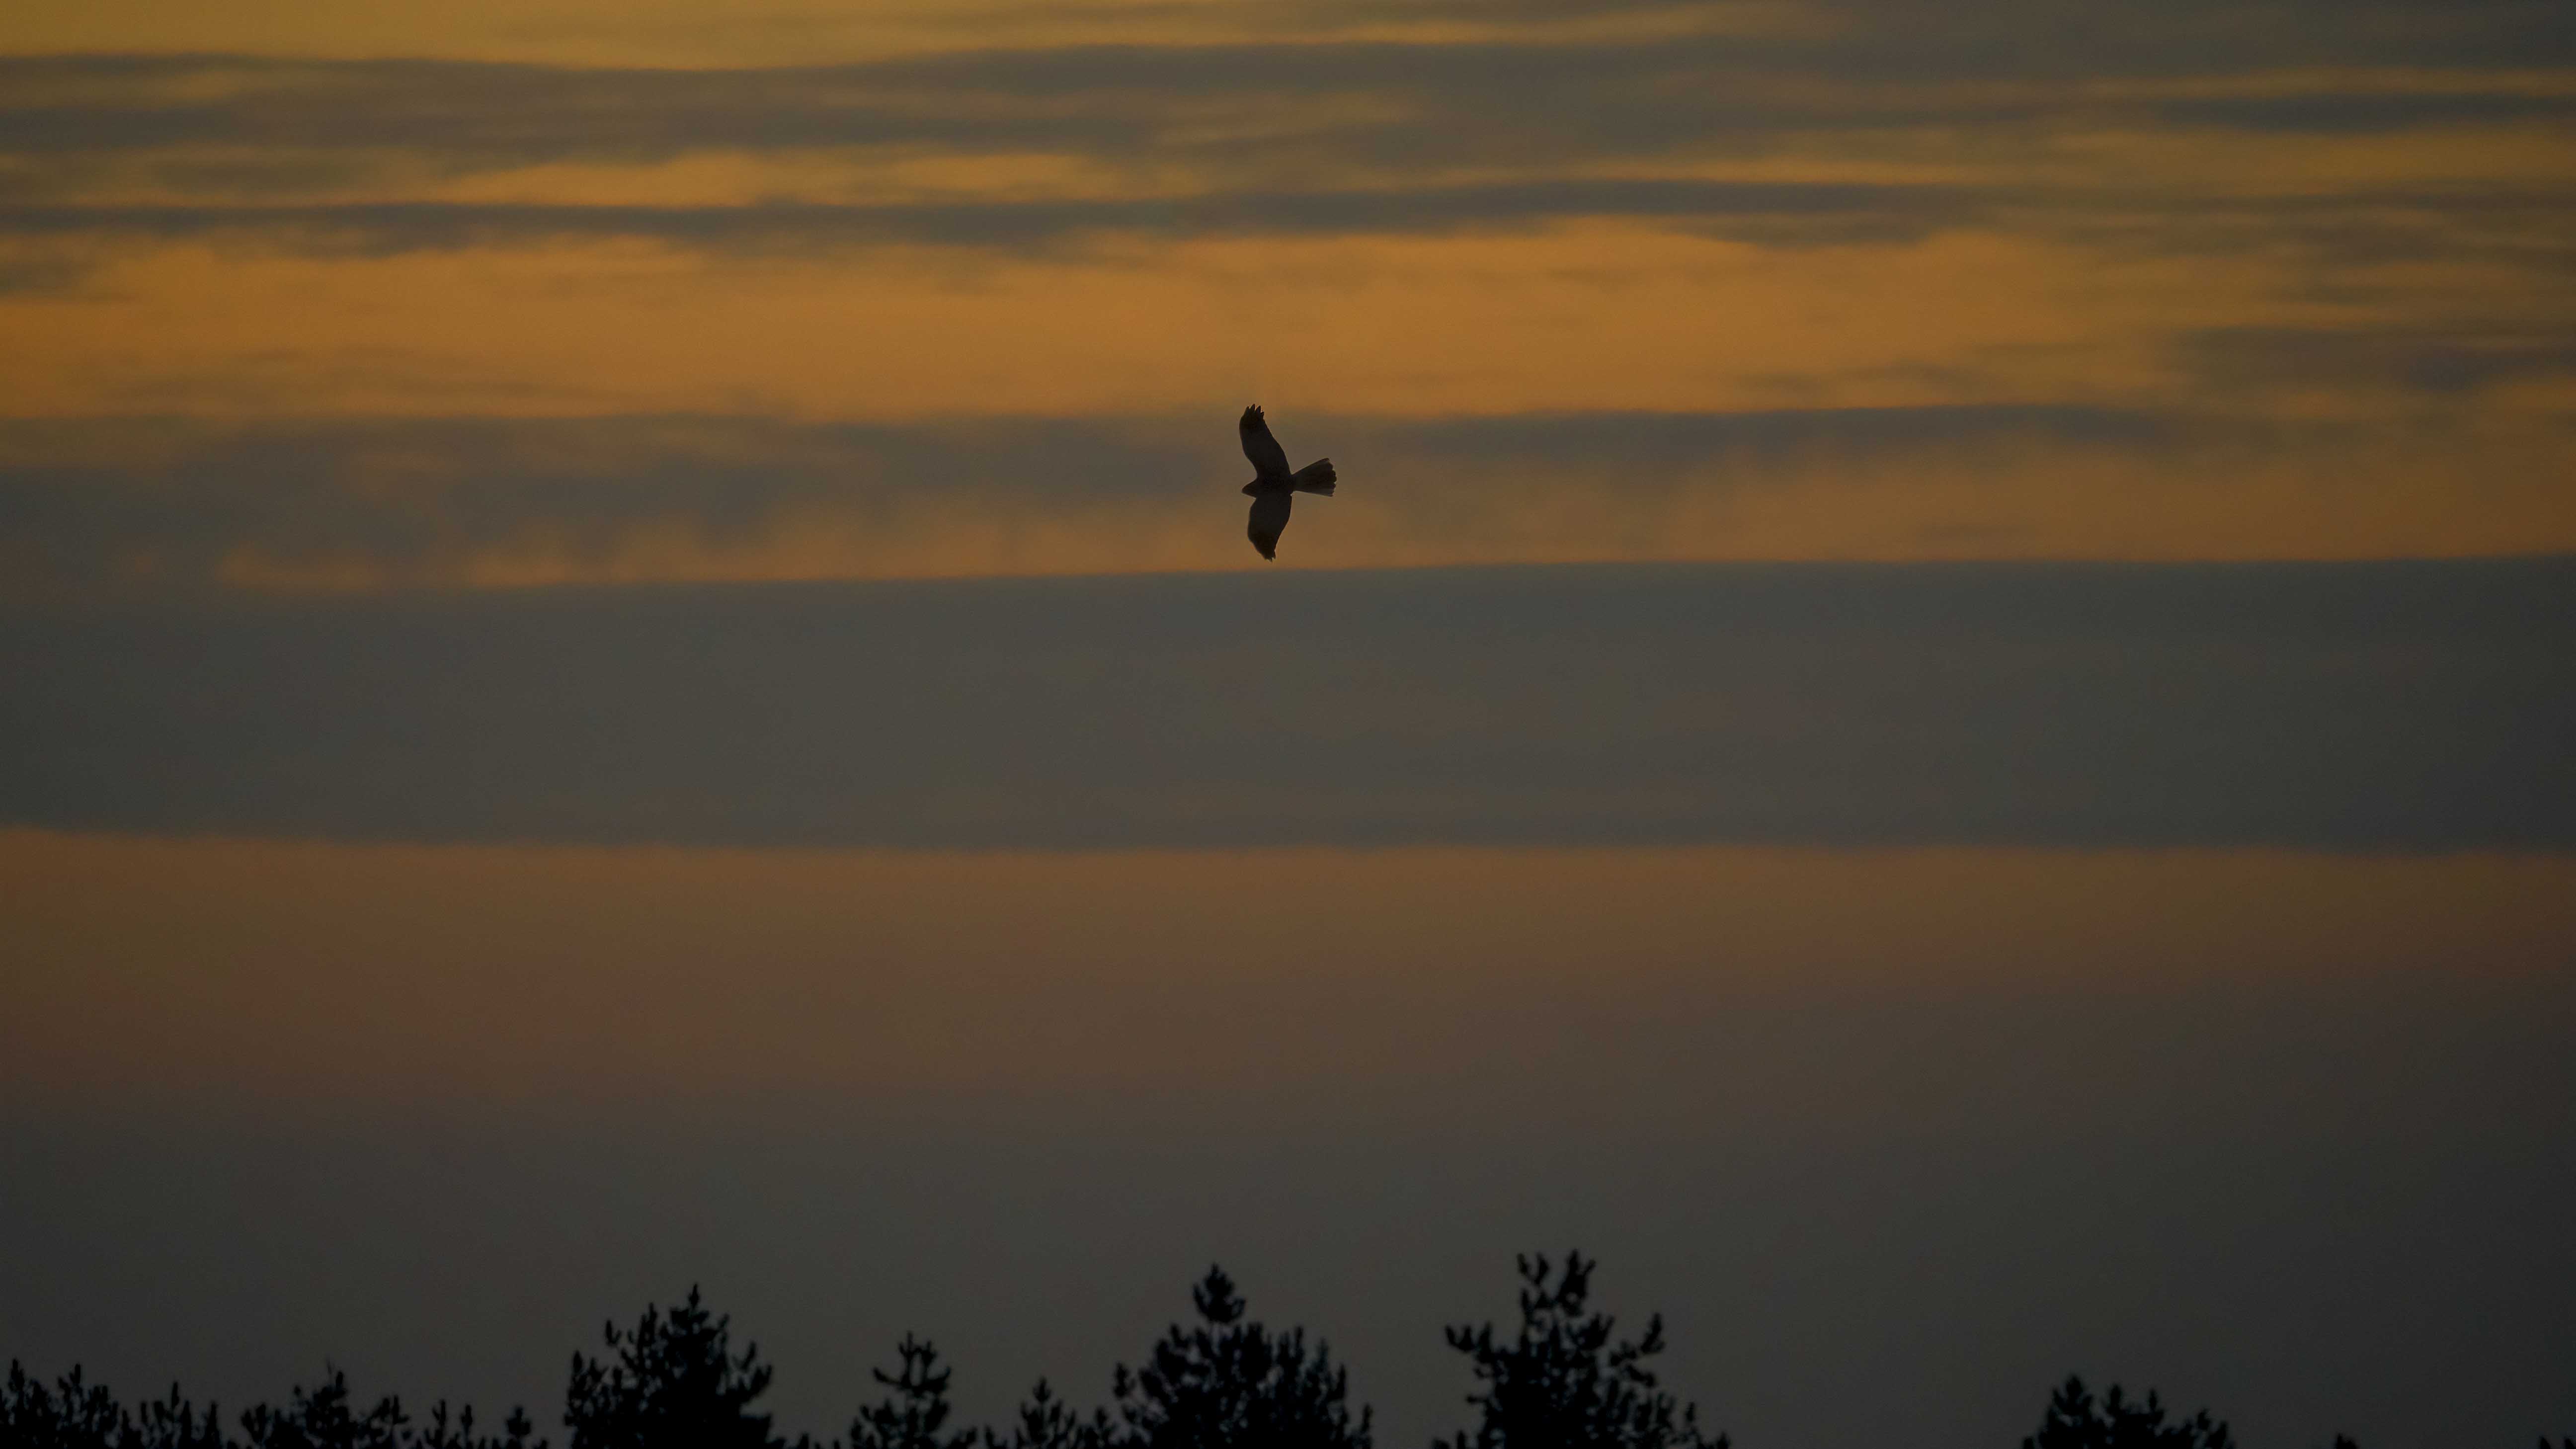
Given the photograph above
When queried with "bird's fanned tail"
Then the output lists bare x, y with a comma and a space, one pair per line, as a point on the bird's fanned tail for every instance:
1316, 477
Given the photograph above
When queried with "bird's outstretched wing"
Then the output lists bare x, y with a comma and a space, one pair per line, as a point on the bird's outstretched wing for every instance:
1268, 458
1269, 520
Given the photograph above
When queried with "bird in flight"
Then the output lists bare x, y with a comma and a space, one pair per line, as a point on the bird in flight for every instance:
1272, 483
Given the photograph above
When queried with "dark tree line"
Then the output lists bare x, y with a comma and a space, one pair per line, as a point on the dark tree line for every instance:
1561, 1380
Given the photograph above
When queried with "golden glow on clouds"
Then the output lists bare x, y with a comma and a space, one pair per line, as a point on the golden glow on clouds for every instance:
2023, 499
322, 972
1604, 316
2394, 287
2113, 153
1601, 315
809, 32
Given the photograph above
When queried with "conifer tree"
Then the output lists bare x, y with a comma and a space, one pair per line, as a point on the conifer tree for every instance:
1563, 1383
2076, 1420
324, 1418
913, 1415
673, 1383
1048, 1422
1232, 1384
73, 1414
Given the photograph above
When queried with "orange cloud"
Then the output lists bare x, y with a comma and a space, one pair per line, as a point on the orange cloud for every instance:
804, 32
1580, 317
289, 972
2003, 499
2337, 279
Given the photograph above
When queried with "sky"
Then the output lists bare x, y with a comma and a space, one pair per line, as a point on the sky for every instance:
1931, 716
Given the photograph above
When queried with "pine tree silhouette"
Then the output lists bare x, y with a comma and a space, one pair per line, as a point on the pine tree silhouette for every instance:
2075, 1420
80, 1415
172, 1422
322, 1418
326, 1418
457, 1431
1229, 1384
73, 1414
673, 1381
1047, 1422
912, 1415
674, 1384
1562, 1383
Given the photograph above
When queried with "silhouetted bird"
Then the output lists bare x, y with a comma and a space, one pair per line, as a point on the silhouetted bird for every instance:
1272, 483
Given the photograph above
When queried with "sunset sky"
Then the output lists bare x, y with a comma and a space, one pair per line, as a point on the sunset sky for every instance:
1934, 714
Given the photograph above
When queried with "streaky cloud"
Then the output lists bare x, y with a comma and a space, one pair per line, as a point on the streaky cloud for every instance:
1280, 111
2424, 359
1776, 213
86, 500
2373, 707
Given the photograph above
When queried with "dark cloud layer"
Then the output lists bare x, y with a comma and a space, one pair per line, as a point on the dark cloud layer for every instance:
2427, 360
2521, 227
82, 503
1269, 117
2384, 706
1886, 65
1304, 137
1799, 213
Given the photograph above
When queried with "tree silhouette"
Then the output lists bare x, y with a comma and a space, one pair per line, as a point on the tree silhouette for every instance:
1047, 1422
674, 1384
325, 1417
912, 1415
1231, 1383
75, 1414
1562, 1383
2075, 1420
457, 1432
674, 1381
322, 1418
79, 1415
171, 1422
71, 1415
